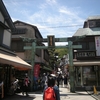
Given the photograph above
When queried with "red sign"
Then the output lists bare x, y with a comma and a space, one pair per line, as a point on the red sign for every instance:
36, 70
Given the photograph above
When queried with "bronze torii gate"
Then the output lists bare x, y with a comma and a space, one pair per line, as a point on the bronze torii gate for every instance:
51, 44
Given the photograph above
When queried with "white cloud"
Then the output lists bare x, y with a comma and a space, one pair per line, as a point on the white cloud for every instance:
49, 17
64, 10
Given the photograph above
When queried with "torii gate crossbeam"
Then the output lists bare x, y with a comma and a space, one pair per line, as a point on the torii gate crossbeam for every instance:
70, 48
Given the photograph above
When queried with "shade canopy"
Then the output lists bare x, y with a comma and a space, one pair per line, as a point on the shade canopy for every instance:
15, 61
86, 63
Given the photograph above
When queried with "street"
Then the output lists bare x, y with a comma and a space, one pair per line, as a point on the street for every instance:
65, 94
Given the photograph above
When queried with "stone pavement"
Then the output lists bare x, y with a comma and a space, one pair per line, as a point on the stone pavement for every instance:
65, 94
95, 95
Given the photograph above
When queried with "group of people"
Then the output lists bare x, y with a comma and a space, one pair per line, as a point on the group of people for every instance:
15, 85
50, 82
60, 79
53, 81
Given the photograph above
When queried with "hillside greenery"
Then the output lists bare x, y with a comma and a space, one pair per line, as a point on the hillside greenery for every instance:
55, 55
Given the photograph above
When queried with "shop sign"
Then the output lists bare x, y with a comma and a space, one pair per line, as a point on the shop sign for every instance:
85, 54
97, 44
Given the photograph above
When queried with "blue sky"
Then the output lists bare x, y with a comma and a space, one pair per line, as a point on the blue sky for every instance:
61, 18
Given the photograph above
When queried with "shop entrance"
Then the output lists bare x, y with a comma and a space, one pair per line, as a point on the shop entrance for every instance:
87, 76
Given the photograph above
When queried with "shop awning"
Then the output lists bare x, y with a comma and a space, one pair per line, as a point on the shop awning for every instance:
15, 61
86, 63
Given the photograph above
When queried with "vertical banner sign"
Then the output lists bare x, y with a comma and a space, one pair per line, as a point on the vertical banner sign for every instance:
97, 44
36, 70
51, 41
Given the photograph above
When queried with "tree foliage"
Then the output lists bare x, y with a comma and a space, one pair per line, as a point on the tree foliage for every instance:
53, 53
61, 52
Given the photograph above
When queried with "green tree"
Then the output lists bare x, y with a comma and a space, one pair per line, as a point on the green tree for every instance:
51, 57
61, 52
53, 54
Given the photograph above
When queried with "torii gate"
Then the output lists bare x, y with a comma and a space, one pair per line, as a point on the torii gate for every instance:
51, 42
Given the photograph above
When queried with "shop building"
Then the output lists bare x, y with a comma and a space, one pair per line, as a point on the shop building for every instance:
87, 59
8, 59
30, 31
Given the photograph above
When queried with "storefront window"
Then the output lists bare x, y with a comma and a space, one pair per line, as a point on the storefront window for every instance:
86, 76
89, 76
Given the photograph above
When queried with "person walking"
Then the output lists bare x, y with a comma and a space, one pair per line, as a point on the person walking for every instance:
44, 80
65, 81
52, 89
59, 79
13, 85
26, 83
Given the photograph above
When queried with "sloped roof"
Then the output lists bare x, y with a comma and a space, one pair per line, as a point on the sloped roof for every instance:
93, 17
6, 15
29, 25
87, 31
18, 21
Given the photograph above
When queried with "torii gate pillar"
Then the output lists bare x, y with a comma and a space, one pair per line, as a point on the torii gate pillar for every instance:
71, 67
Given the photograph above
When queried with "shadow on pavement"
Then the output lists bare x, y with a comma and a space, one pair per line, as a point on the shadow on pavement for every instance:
19, 97
63, 95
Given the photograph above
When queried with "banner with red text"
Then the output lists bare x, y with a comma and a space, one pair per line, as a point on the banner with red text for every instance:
36, 70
